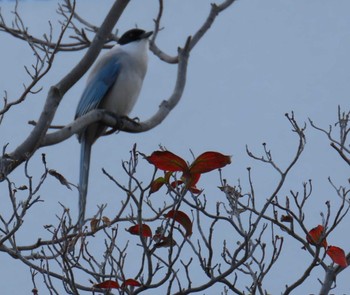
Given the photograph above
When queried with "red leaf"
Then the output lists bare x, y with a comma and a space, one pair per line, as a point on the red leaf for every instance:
131, 282
181, 218
157, 184
194, 190
337, 255
167, 161
209, 161
145, 230
176, 183
107, 285
315, 235
192, 179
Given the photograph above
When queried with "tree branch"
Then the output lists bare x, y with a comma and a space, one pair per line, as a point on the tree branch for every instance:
25, 150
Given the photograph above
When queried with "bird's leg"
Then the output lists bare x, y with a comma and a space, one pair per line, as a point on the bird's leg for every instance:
135, 120
120, 122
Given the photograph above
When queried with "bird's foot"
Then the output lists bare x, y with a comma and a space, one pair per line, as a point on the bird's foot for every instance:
120, 122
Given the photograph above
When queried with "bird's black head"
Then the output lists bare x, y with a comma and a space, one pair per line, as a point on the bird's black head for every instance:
133, 35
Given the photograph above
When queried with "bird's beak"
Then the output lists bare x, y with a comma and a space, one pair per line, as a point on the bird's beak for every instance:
146, 35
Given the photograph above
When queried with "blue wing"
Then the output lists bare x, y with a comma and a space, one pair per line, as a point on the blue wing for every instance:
98, 86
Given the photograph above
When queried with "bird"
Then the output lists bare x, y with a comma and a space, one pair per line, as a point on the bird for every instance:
113, 84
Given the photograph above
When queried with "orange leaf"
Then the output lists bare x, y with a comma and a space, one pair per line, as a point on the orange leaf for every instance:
107, 285
337, 255
165, 160
144, 230
181, 218
315, 236
131, 282
209, 161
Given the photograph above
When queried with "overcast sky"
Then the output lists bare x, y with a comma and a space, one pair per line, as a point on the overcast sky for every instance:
260, 60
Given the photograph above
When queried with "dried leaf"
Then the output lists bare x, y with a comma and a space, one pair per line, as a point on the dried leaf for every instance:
22, 187
60, 178
158, 234
286, 218
106, 221
166, 242
94, 224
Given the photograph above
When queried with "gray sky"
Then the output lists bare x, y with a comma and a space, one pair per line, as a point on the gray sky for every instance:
260, 60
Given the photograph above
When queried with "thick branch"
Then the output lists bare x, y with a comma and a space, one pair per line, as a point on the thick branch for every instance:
56, 93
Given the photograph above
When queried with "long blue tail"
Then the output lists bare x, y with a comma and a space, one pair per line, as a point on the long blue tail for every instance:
83, 178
